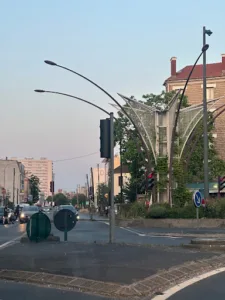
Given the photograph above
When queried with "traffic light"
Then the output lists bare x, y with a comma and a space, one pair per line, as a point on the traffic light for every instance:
105, 138
221, 183
52, 186
150, 181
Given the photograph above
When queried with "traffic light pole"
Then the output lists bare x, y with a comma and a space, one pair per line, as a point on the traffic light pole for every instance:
112, 208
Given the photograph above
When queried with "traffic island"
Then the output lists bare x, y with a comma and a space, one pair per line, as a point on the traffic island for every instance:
213, 244
50, 238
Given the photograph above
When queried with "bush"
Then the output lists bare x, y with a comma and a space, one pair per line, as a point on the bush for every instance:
132, 210
157, 212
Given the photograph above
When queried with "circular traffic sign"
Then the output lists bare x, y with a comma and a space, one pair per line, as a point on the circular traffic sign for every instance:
65, 220
197, 198
38, 227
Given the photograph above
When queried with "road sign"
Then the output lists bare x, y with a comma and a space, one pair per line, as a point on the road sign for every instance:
38, 227
65, 220
197, 198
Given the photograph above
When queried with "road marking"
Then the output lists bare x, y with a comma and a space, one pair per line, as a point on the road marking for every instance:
170, 292
133, 231
107, 223
151, 236
11, 242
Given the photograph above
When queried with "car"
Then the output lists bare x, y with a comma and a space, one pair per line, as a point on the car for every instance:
27, 212
72, 208
46, 209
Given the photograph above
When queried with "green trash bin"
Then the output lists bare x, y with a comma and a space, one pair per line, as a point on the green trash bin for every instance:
38, 227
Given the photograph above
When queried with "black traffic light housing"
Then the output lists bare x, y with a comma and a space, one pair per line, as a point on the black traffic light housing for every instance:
52, 186
105, 138
221, 183
150, 181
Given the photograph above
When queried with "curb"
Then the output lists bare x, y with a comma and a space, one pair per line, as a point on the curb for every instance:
147, 288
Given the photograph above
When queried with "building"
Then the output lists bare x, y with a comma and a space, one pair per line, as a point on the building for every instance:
215, 73
117, 180
12, 175
42, 168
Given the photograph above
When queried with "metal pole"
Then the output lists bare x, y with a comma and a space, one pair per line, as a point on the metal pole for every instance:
205, 121
112, 209
121, 172
98, 199
14, 172
53, 185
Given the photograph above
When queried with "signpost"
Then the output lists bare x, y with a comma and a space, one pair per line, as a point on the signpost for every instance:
197, 198
65, 220
38, 227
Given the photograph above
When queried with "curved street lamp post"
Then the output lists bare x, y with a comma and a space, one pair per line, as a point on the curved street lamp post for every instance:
204, 49
51, 63
112, 210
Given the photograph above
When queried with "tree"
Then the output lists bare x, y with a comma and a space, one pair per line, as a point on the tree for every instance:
80, 200
49, 199
60, 199
34, 187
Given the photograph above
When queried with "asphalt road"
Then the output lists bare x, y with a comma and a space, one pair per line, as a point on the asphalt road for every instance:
11, 232
207, 289
11, 290
98, 231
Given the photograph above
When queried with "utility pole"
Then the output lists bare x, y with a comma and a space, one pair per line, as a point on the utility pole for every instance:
88, 191
77, 194
205, 119
14, 173
112, 209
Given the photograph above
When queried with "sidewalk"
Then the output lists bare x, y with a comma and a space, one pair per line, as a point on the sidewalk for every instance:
102, 269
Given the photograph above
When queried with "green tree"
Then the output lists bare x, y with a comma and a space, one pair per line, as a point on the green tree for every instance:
60, 199
49, 199
80, 200
34, 187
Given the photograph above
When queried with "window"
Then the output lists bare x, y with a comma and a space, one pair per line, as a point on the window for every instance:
210, 93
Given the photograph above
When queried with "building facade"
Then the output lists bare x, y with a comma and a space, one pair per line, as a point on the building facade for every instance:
215, 73
12, 175
42, 168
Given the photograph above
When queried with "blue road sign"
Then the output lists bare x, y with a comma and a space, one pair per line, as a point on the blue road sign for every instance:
197, 198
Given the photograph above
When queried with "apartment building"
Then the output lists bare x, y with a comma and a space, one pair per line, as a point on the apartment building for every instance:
215, 73
42, 168
12, 175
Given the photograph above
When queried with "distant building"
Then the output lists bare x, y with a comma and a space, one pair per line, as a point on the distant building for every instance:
42, 168
12, 175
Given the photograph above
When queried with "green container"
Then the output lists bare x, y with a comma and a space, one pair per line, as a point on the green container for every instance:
38, 227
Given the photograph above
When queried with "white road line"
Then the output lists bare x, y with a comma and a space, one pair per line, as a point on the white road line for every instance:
167, 294
132, 231
11, 242
151, 236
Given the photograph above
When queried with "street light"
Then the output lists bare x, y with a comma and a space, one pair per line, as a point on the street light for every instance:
205, 118
112, 210
51, 63
204, 49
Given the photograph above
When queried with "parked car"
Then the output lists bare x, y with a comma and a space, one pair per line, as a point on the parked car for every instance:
27, 212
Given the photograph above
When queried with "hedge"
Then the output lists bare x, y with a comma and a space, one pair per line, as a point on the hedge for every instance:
213, 209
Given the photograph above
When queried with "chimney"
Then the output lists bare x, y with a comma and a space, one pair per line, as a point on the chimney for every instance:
223, 63
173, 63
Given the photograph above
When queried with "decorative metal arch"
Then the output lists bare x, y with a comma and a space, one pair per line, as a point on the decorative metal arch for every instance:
198, 114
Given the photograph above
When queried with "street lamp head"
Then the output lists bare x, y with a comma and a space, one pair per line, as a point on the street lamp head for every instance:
39, 91
51, 63
205, 48
208, 32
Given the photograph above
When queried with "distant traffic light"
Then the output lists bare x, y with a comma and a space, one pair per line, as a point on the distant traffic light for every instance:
52, 186
105, 138
221, 183
150, 181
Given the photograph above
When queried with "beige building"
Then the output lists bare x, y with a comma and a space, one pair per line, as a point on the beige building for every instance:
117, 180
12, 175
42, 168
215, 73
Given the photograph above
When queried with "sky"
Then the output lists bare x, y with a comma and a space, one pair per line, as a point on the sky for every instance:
123, 45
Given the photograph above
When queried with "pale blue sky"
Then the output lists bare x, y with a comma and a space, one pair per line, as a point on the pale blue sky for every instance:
124, 45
